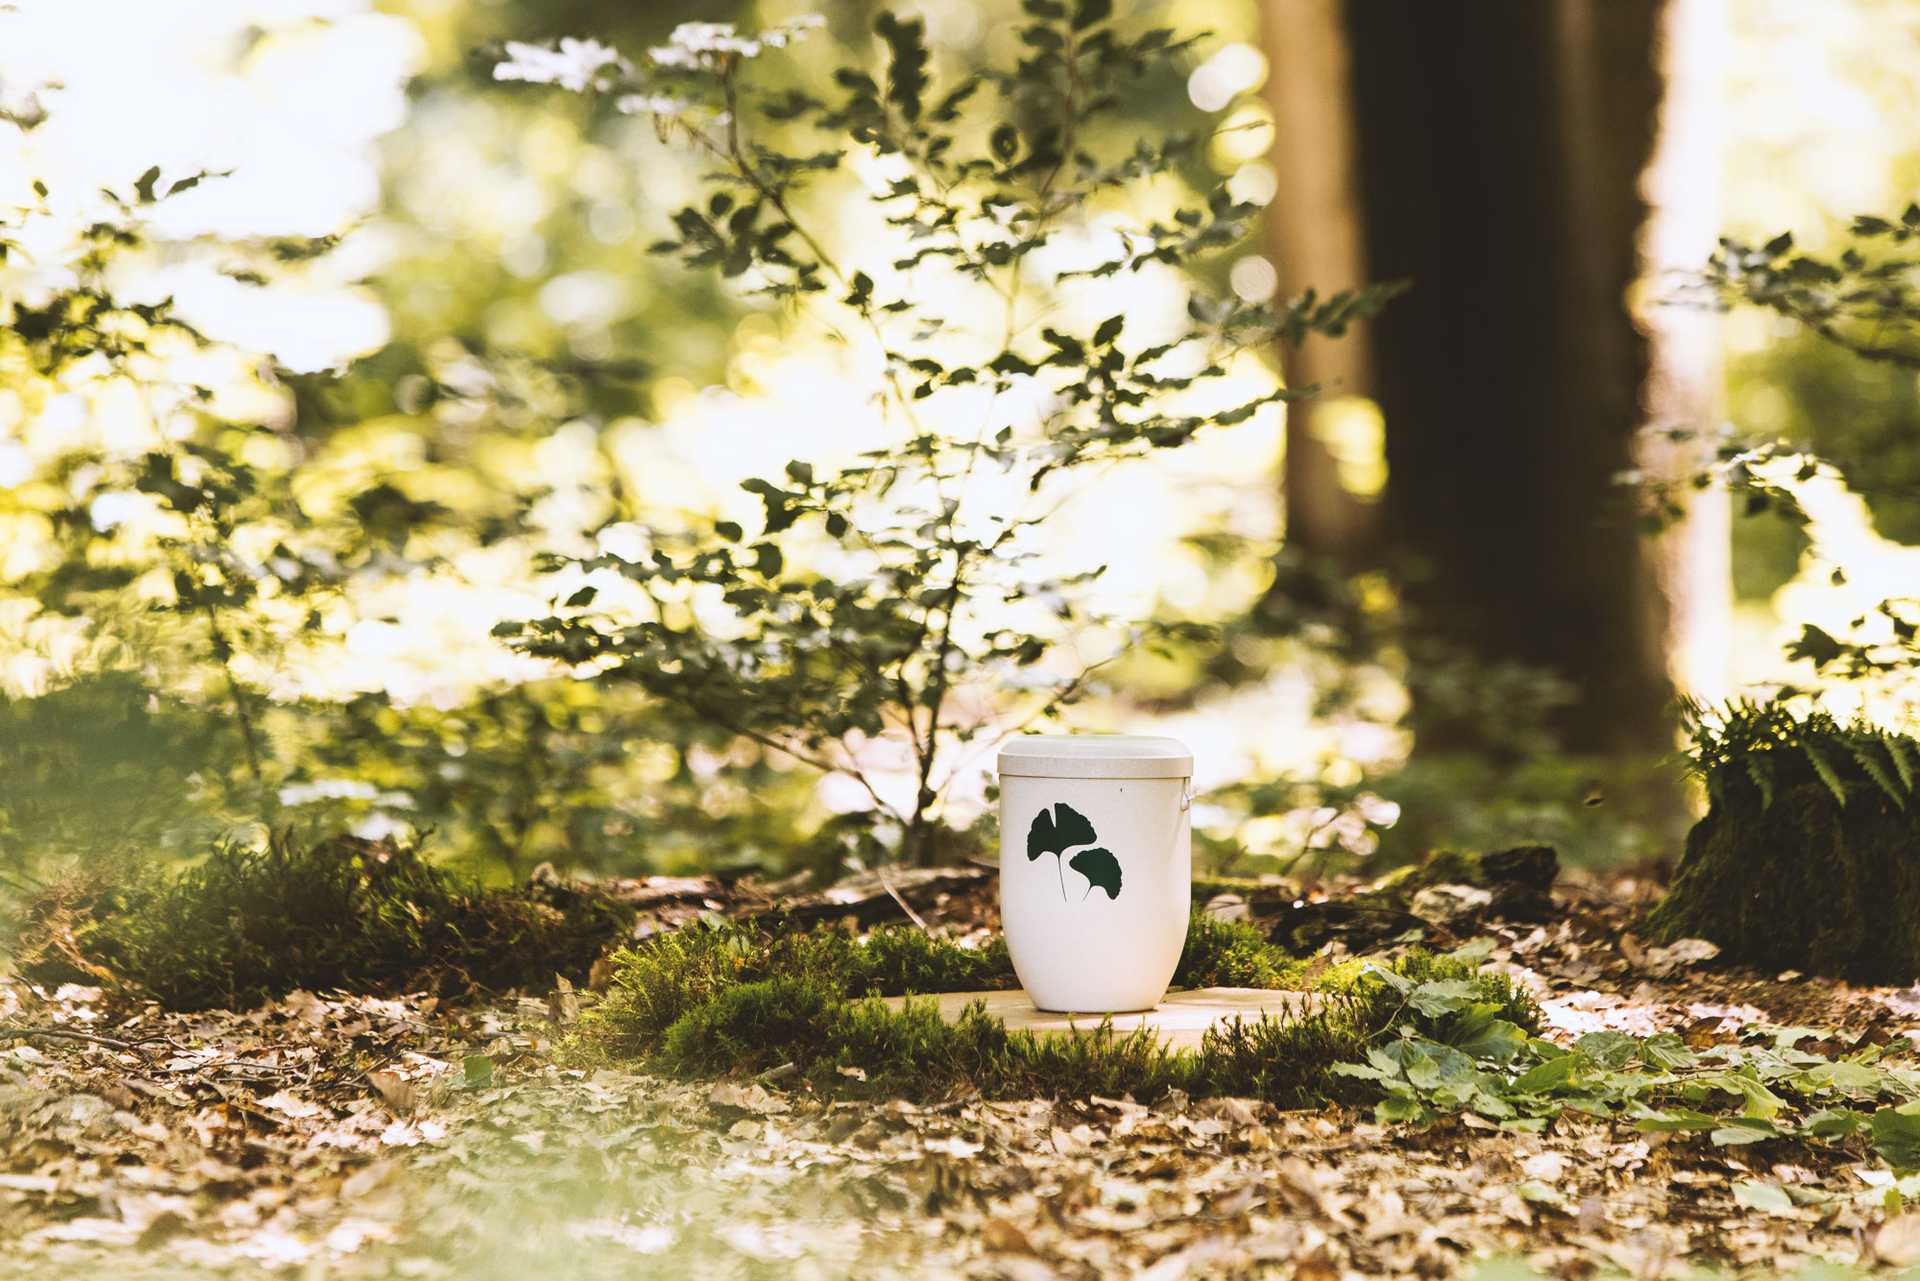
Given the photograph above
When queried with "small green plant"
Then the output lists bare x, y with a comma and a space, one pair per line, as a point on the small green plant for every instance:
245, 925
1863, 299
1761, 1088
1772, 747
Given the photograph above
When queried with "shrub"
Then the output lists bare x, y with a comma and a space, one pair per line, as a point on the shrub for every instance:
871, 599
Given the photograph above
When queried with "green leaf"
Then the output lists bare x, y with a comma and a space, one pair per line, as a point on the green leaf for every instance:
1825, 770
1835, 1123
1681, 1120
1058, 829
1088, 12
1550, 1075
1865, 755
1101, 869
907, 62
1442, 997
1896, 1135
1742, 1130
1608, 1049
1480, 1034
1005, 143
1817, 645
1667, 1052
479, 1071
1396, 1110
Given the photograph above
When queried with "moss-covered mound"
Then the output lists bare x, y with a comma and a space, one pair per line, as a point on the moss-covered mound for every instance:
731, 999
1809, 856
245, 925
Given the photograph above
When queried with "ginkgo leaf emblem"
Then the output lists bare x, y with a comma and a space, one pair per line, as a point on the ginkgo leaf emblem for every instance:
1059, 828
1101, 869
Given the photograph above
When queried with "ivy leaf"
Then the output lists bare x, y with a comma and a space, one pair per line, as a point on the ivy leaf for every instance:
1101, 869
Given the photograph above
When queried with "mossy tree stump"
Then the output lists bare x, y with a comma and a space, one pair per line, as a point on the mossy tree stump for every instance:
1809, 856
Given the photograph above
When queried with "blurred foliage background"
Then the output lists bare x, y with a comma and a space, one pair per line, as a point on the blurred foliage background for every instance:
431, 313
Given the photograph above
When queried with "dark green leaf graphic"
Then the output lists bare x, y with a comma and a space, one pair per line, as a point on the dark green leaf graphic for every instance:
1100, 868
1056, 835
1058, 829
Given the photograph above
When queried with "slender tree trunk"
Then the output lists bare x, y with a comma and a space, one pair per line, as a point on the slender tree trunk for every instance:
1314, 239
1500, 145
1693, 559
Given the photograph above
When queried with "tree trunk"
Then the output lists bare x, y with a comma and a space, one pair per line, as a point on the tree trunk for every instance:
1500, 145
1314, 239
1694, 558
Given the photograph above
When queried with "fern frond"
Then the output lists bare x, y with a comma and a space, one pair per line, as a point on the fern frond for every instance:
1760, 770
1824, 769
1900, 748
1862, 749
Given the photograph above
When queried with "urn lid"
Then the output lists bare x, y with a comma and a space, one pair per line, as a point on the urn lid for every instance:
1095, 756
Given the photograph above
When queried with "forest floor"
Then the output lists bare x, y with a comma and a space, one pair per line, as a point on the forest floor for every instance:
352, 1136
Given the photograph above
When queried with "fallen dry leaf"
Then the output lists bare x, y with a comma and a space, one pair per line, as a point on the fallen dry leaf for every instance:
1897, 1242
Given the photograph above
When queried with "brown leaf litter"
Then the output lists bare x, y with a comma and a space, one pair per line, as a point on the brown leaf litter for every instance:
352, 1136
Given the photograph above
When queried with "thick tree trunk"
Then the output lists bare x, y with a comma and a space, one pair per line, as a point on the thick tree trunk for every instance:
1500, 145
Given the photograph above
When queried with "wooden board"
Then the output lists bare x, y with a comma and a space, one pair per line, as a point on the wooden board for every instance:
1180, 1020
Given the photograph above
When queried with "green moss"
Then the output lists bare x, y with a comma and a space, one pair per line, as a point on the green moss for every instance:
715, 1000
1804, 883
658, 981
1806, 857
245, 925
1233, 954
751, 1027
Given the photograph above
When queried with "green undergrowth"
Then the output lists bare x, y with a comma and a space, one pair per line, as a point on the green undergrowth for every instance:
733, 999
1770, 1085
246, 924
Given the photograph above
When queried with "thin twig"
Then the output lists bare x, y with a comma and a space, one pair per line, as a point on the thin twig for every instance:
64, 1034
894, 894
